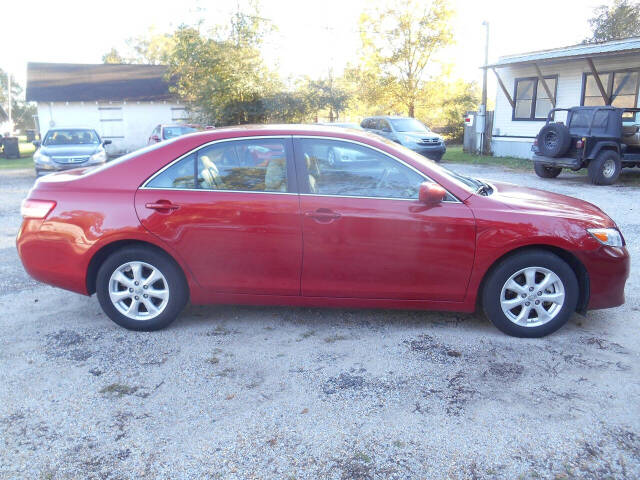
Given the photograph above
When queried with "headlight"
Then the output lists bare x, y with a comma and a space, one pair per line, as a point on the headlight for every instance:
99, 157
607, 236
406, 139
41, 158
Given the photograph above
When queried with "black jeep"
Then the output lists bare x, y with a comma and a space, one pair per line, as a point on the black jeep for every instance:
602, 139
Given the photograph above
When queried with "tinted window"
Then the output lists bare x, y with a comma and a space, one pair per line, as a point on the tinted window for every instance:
244, 165
347, 169
178, 175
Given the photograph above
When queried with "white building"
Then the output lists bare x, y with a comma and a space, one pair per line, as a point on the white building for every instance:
531, 84
123, 103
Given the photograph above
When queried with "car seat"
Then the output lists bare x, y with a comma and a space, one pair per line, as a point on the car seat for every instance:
210, 174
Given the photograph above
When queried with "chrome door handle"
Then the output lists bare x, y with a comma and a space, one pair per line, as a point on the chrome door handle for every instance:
162, 205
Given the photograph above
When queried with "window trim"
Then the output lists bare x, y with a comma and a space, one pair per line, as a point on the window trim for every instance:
303, 182
296, 171
609, 86
292, 184
532, 115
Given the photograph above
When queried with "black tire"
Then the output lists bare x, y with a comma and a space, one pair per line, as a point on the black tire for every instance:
177, 286
605, 168
554, 140
501, 272
544, 171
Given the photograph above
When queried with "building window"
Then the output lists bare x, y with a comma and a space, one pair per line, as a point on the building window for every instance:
621, 87
531, 98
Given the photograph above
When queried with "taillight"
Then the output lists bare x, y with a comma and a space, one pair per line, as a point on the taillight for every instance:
535, 142
579, 144
36, 208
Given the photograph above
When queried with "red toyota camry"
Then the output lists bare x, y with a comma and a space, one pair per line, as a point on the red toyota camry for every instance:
308, 215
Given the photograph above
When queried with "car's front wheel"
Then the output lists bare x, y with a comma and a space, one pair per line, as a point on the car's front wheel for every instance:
141, 288
530, 294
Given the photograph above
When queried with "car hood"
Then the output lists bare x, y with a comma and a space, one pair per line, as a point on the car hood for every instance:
416, 135
69, 150
542, 202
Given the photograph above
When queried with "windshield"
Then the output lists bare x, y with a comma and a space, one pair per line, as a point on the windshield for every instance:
408, 125
172, 132
71, 137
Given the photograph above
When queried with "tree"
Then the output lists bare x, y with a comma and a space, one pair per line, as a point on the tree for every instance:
21, 112
221, 75
616, 21
327, 94
398, 44
112, 56
152, 48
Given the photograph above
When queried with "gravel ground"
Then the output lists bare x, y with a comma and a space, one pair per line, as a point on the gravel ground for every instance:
242, 393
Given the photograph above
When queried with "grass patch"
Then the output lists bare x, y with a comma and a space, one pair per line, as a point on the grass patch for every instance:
455, 154
119, 390
25, 160
334, 338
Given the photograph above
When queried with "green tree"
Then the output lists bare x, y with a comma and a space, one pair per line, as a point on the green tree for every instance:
112, 56
398, 44
21, 111
222, 75
327, 94
619, 20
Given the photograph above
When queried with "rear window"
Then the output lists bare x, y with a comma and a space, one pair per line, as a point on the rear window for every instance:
582, 119
172, 132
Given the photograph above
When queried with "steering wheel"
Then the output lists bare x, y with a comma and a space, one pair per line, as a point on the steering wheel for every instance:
383, 177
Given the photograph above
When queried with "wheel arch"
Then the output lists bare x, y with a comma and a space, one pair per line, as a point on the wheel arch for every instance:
100, 255
603, 146
574, 262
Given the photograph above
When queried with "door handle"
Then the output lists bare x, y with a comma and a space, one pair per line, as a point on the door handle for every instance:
323, 215
162, 206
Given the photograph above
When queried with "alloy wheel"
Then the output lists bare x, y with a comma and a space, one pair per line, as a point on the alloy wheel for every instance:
138, 290
532, 296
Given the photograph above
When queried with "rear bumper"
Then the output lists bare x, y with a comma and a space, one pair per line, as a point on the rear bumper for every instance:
608, 269
564, 162
52, 259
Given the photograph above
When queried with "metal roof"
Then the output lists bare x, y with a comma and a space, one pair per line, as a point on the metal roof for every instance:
71, 82
583, 50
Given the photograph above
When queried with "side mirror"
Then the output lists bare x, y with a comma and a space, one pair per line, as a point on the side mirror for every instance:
155, 138
36, 143
431, 193
106, 142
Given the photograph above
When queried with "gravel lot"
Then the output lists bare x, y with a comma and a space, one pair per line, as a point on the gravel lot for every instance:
239, 392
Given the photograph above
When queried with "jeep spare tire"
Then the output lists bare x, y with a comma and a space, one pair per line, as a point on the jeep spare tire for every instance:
554, 140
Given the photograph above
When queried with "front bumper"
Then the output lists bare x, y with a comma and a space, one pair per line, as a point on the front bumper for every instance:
44, 168
433, 152
608, 269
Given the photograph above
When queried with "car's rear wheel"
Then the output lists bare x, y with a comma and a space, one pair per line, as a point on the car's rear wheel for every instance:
605, 168
141, 288
544, 171
530, 294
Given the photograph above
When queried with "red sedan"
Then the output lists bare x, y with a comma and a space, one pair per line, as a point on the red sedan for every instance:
260, 215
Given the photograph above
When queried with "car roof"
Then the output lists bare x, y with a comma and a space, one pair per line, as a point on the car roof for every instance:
389, 117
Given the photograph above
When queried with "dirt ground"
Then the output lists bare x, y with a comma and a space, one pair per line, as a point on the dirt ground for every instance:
293, 393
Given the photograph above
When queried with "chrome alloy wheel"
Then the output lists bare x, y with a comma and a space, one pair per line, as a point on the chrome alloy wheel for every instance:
138, 290
532, 296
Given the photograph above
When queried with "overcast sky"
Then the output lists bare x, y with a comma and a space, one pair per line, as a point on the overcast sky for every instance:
311, 36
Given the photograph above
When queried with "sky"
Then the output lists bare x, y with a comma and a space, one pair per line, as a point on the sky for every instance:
311, 37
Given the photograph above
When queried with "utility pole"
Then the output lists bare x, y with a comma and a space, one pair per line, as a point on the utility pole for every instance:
482, 114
